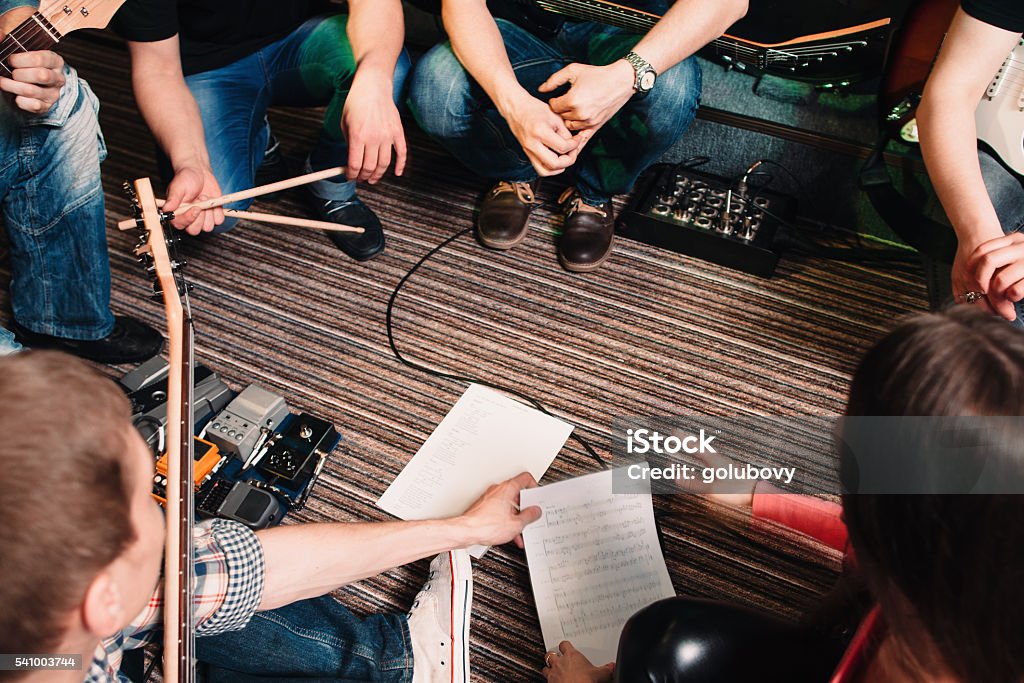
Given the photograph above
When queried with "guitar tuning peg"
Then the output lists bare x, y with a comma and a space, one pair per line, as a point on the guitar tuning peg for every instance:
143, 249
178, 264
158, 292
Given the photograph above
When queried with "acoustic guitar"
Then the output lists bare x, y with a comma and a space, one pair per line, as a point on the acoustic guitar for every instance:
155, 251
51, 22
827, 43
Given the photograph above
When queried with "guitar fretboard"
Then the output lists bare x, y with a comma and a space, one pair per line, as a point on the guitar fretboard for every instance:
35, 33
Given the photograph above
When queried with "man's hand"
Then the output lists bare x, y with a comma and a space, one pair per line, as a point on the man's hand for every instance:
548, 144
36, 80
998, 268
495, 517
595, 94
372, 127
194, 183
568, 665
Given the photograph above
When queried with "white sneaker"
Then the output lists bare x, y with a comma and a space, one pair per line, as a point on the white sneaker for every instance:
439, 621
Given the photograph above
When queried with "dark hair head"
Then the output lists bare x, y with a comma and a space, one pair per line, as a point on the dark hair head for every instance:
64, 497
946, 569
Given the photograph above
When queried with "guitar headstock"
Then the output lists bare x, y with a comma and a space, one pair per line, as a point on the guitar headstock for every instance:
157, 248
70, 15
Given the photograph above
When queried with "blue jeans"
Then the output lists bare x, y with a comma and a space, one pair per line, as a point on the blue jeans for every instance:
8, 344
312, 66
52, 201
311, 640
454, 109
1007, 194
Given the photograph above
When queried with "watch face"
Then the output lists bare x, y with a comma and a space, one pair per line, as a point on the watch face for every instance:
647, 81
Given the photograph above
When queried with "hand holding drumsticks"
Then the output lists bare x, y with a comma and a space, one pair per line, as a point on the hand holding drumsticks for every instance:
262, 190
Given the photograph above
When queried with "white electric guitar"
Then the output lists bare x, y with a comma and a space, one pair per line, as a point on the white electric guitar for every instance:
1000, 114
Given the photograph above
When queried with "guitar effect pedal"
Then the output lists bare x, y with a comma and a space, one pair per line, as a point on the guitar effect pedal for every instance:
237, 428
709, 217
293, 453
206, 461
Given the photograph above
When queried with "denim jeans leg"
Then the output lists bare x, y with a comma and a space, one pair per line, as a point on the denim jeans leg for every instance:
8, 344
316, 639
453, 109
644, 129
233, 103
54, 213
1006, 191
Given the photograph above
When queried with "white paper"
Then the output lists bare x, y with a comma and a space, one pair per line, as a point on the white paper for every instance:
484, 439
595, 560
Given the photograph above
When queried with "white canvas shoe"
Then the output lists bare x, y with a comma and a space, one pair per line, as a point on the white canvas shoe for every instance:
439, 621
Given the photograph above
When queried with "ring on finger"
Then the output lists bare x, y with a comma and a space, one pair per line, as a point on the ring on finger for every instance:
547, 658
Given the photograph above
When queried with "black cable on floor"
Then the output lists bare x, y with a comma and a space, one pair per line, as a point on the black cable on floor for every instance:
465, 378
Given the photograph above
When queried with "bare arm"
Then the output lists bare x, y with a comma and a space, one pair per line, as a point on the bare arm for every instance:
598, 92
688, 26
970, 56
370, 121
307, 560
477, 43
172, 115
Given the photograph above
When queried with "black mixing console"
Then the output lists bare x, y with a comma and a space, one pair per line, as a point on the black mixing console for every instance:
710, 217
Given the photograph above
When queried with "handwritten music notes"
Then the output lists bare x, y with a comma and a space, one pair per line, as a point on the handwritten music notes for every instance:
594, 561
484, 439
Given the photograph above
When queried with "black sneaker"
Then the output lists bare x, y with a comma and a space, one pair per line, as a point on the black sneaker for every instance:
131, 341
351, 212
272, 169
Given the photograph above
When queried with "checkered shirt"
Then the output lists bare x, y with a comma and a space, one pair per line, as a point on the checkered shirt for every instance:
228, 586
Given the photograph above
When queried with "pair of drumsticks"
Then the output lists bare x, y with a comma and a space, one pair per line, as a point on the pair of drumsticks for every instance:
128, 224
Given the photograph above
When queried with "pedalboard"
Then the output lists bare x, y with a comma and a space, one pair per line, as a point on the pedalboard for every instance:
709, 217
253, 460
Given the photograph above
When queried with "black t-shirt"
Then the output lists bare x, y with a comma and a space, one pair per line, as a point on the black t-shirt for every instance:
213, 33
1004, 14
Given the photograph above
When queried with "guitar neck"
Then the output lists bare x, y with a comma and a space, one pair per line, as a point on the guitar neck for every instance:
184, 515
179, 634
35, 33
602, 12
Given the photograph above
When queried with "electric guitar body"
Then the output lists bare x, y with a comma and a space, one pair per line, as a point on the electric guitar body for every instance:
1000, 114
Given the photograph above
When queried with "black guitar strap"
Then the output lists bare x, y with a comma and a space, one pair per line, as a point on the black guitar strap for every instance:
931, 238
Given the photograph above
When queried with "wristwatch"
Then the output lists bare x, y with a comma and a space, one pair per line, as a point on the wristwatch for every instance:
645, 73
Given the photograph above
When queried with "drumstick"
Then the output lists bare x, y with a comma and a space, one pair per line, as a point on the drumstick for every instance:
262, 189
129, 223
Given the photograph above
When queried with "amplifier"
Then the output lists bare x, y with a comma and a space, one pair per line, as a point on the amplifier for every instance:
709, 217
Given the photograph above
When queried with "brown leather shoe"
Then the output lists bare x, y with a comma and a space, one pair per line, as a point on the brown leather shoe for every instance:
505, 213
587, 233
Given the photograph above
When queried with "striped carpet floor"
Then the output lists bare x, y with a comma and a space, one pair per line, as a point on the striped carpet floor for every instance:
652, 332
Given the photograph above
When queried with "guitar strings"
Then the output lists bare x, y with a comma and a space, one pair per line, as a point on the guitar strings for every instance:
31, 31
642, 20
33, 27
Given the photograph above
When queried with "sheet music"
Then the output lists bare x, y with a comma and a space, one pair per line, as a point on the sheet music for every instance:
484, 439
595, 559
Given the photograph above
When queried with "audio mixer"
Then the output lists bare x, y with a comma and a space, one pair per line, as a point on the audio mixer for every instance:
717, 219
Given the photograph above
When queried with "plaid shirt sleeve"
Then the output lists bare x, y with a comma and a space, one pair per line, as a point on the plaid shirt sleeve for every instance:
227, 588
